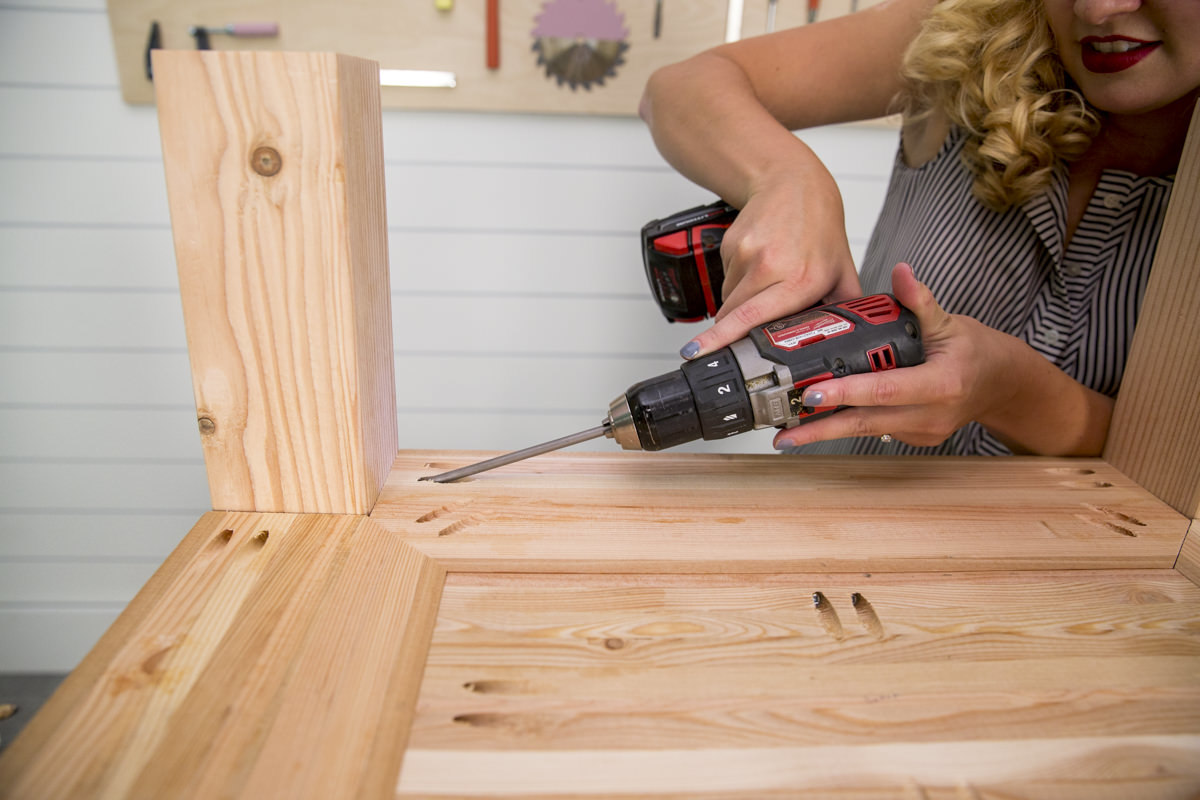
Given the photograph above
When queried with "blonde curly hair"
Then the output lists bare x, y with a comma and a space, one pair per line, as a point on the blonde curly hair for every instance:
991, 66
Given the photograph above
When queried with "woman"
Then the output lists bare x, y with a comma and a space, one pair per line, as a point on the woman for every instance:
1037, 154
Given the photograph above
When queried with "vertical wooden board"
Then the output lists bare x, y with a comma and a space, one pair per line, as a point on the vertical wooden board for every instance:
1188, 562
274, 166
1155, 433
272, 656
361, 124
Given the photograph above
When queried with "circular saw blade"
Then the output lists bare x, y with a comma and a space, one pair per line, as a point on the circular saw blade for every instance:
580, 42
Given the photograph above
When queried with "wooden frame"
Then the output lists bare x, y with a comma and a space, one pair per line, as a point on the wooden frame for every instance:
614, 624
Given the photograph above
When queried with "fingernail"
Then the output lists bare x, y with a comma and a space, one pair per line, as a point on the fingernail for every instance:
783, 445
814, 399
689, 350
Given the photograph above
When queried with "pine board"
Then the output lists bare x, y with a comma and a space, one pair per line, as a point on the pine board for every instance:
243, 658
274, 167
1155, 433
1189, 555
1056, 684
668, 512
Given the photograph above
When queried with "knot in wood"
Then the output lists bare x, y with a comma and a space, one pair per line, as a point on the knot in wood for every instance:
266, 161
208, 426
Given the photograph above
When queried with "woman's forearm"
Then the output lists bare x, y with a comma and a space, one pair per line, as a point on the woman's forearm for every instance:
724, 117
707, 122
1046, 412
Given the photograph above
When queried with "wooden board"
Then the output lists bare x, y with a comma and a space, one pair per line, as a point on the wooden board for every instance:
1189, 555
264, 640
274, 167
417, 36
1059, 684
667, 512
1155, 433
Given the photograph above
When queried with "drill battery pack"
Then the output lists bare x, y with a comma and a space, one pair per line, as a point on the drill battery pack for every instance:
682, 255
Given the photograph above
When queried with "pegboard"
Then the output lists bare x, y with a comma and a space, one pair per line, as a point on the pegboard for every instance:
425, 35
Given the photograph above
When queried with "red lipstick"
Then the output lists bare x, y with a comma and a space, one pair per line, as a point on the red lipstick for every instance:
1108, 54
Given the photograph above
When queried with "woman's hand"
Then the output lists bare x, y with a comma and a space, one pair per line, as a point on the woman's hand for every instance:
786, 251
971, 372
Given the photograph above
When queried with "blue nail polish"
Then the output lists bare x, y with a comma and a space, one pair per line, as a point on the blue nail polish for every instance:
814, 399
689, 350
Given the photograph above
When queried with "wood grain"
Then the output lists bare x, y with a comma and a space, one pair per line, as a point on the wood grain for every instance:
666, 512
677, 684
1155, 433
270, 656
274, 169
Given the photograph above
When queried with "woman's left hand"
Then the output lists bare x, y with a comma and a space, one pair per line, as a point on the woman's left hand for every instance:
963, 379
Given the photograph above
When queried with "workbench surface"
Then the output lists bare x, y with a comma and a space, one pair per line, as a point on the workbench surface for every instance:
656, 625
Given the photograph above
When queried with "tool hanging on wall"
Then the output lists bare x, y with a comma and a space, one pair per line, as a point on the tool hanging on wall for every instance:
153, 42
580, 42
257, 30
493, 34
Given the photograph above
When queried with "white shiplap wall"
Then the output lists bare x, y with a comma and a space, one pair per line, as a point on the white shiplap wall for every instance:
519, 302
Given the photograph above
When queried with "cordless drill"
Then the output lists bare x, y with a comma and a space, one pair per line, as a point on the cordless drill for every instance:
756, 382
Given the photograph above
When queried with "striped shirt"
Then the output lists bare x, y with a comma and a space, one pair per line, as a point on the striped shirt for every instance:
1075, 304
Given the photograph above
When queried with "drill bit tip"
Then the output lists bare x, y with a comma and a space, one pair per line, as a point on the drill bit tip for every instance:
521, 455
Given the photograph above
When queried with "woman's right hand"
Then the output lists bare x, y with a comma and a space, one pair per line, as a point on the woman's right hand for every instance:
786, 251
724, 118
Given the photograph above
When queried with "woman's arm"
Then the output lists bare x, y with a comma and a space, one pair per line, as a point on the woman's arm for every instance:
971, 372
724, 119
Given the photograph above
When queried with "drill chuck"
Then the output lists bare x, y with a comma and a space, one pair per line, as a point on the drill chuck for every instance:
655, 414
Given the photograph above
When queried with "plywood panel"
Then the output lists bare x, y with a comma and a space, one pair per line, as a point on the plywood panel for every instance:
263, 640
690, 685
665, 512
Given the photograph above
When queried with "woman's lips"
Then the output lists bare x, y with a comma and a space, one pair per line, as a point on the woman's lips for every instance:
1107, 54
